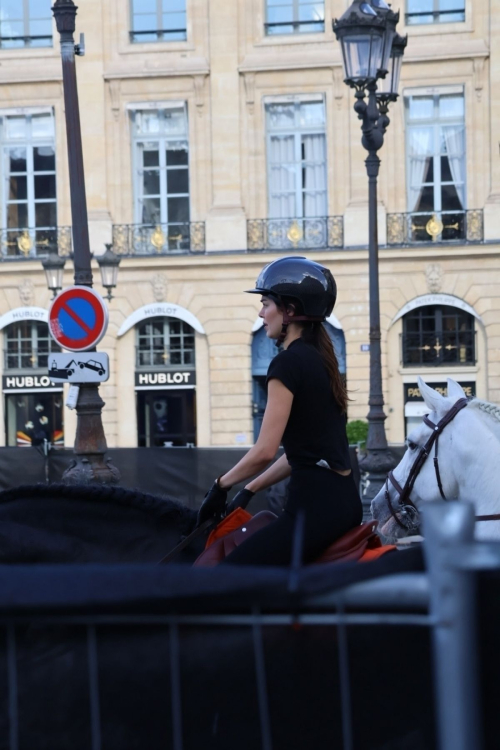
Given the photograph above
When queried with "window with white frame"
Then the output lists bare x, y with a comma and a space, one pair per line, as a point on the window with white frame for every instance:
165, 342
294, 16
161, 149
436, 164
28, 192
296, 155
158, 20
25, 23
434, 11
28, 345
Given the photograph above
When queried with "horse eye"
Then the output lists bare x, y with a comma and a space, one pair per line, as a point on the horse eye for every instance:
411, 445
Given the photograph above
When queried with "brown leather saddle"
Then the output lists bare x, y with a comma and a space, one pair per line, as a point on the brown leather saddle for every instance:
351, 547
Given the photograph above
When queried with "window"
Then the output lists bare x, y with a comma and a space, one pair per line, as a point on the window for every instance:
25, 23
165, 342
435, 11
436, 166
158, 20
28, 180
294, 16
296, 148
438, 336
162, 173
28, 345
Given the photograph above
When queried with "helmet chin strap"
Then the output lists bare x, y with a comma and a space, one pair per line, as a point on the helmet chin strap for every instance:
295, 319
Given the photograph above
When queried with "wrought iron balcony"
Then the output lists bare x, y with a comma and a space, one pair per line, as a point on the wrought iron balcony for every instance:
446, 226
439, 348
324, 233
35, 243
161, 239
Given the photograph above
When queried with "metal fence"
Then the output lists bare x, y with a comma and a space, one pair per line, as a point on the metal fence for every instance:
431, 227
321, 233
442, 601
160, 239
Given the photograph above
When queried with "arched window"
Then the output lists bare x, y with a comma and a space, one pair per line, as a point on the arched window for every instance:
164, 342
28, 345
438, 336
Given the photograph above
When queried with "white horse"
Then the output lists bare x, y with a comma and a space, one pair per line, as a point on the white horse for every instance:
469, 464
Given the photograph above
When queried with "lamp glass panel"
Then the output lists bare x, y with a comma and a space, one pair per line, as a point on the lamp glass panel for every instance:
54, 277
363, 56
109, 276
386, 55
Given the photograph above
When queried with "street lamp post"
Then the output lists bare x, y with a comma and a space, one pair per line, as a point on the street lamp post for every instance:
90, 465
372, 52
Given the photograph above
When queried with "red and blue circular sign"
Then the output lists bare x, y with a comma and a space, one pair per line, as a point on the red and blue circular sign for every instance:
78, 318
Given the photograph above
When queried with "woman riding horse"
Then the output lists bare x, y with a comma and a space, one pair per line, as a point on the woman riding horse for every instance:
306, 413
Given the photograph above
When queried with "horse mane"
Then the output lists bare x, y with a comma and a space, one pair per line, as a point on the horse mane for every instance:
162, 508
492, 410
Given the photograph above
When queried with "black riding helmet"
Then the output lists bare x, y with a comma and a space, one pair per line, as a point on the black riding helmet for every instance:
298, 278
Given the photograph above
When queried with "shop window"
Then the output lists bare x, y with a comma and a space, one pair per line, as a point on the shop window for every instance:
438, 336
27, 346
165, 342
296, 153
294, 17
34, 418
158, 20
161, 182
25, 23
28, 190
436, 165
434, 11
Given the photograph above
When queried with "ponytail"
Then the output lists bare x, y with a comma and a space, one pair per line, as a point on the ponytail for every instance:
316, 335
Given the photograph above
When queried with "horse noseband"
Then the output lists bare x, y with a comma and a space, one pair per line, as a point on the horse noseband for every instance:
408, 509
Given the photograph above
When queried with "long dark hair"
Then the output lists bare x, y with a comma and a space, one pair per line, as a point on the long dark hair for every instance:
316, 335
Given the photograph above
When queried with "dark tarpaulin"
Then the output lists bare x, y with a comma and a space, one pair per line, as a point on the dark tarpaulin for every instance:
182, 473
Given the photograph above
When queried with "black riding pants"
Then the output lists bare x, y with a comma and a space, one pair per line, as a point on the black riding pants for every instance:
331, 506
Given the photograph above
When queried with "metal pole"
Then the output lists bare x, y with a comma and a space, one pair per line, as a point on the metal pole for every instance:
452, 604
90, 442
379, 459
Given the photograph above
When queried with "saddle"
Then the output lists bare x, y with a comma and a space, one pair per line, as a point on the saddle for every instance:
361, 544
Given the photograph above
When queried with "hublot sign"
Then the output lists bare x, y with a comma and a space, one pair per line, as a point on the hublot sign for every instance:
28, 383
164, 379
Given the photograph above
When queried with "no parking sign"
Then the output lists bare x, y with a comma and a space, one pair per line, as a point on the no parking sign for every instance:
78, 318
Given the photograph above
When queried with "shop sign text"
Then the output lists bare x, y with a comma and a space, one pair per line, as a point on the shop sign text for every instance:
170, 378
26, 382
412, 391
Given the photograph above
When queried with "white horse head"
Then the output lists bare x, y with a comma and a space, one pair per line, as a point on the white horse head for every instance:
469, 463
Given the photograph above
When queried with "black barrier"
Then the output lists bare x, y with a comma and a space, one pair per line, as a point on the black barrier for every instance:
182, 473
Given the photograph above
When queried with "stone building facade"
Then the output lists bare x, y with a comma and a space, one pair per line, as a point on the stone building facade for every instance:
218, 136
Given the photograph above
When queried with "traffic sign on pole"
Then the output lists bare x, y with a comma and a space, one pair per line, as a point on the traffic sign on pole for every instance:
88, 367
78, 318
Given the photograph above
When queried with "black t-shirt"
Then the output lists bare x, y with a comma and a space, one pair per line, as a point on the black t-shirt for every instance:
316, 428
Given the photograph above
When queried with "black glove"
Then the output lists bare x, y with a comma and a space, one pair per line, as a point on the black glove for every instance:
240, 500
213, 505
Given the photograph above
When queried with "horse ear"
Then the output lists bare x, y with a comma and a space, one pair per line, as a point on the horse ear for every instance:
455, 391
433, 400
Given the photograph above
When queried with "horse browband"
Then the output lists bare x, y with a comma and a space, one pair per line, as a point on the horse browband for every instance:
405, 492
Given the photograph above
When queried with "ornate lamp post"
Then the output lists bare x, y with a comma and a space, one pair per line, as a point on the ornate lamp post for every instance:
372, 54
90, 444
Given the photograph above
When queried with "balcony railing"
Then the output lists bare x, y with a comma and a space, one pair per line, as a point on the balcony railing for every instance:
436, 16
446, 226
158, 35
294, 27
161, 239
322, 233
34, 243
446, 348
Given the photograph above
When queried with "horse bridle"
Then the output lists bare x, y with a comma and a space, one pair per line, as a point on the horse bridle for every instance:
408, 509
